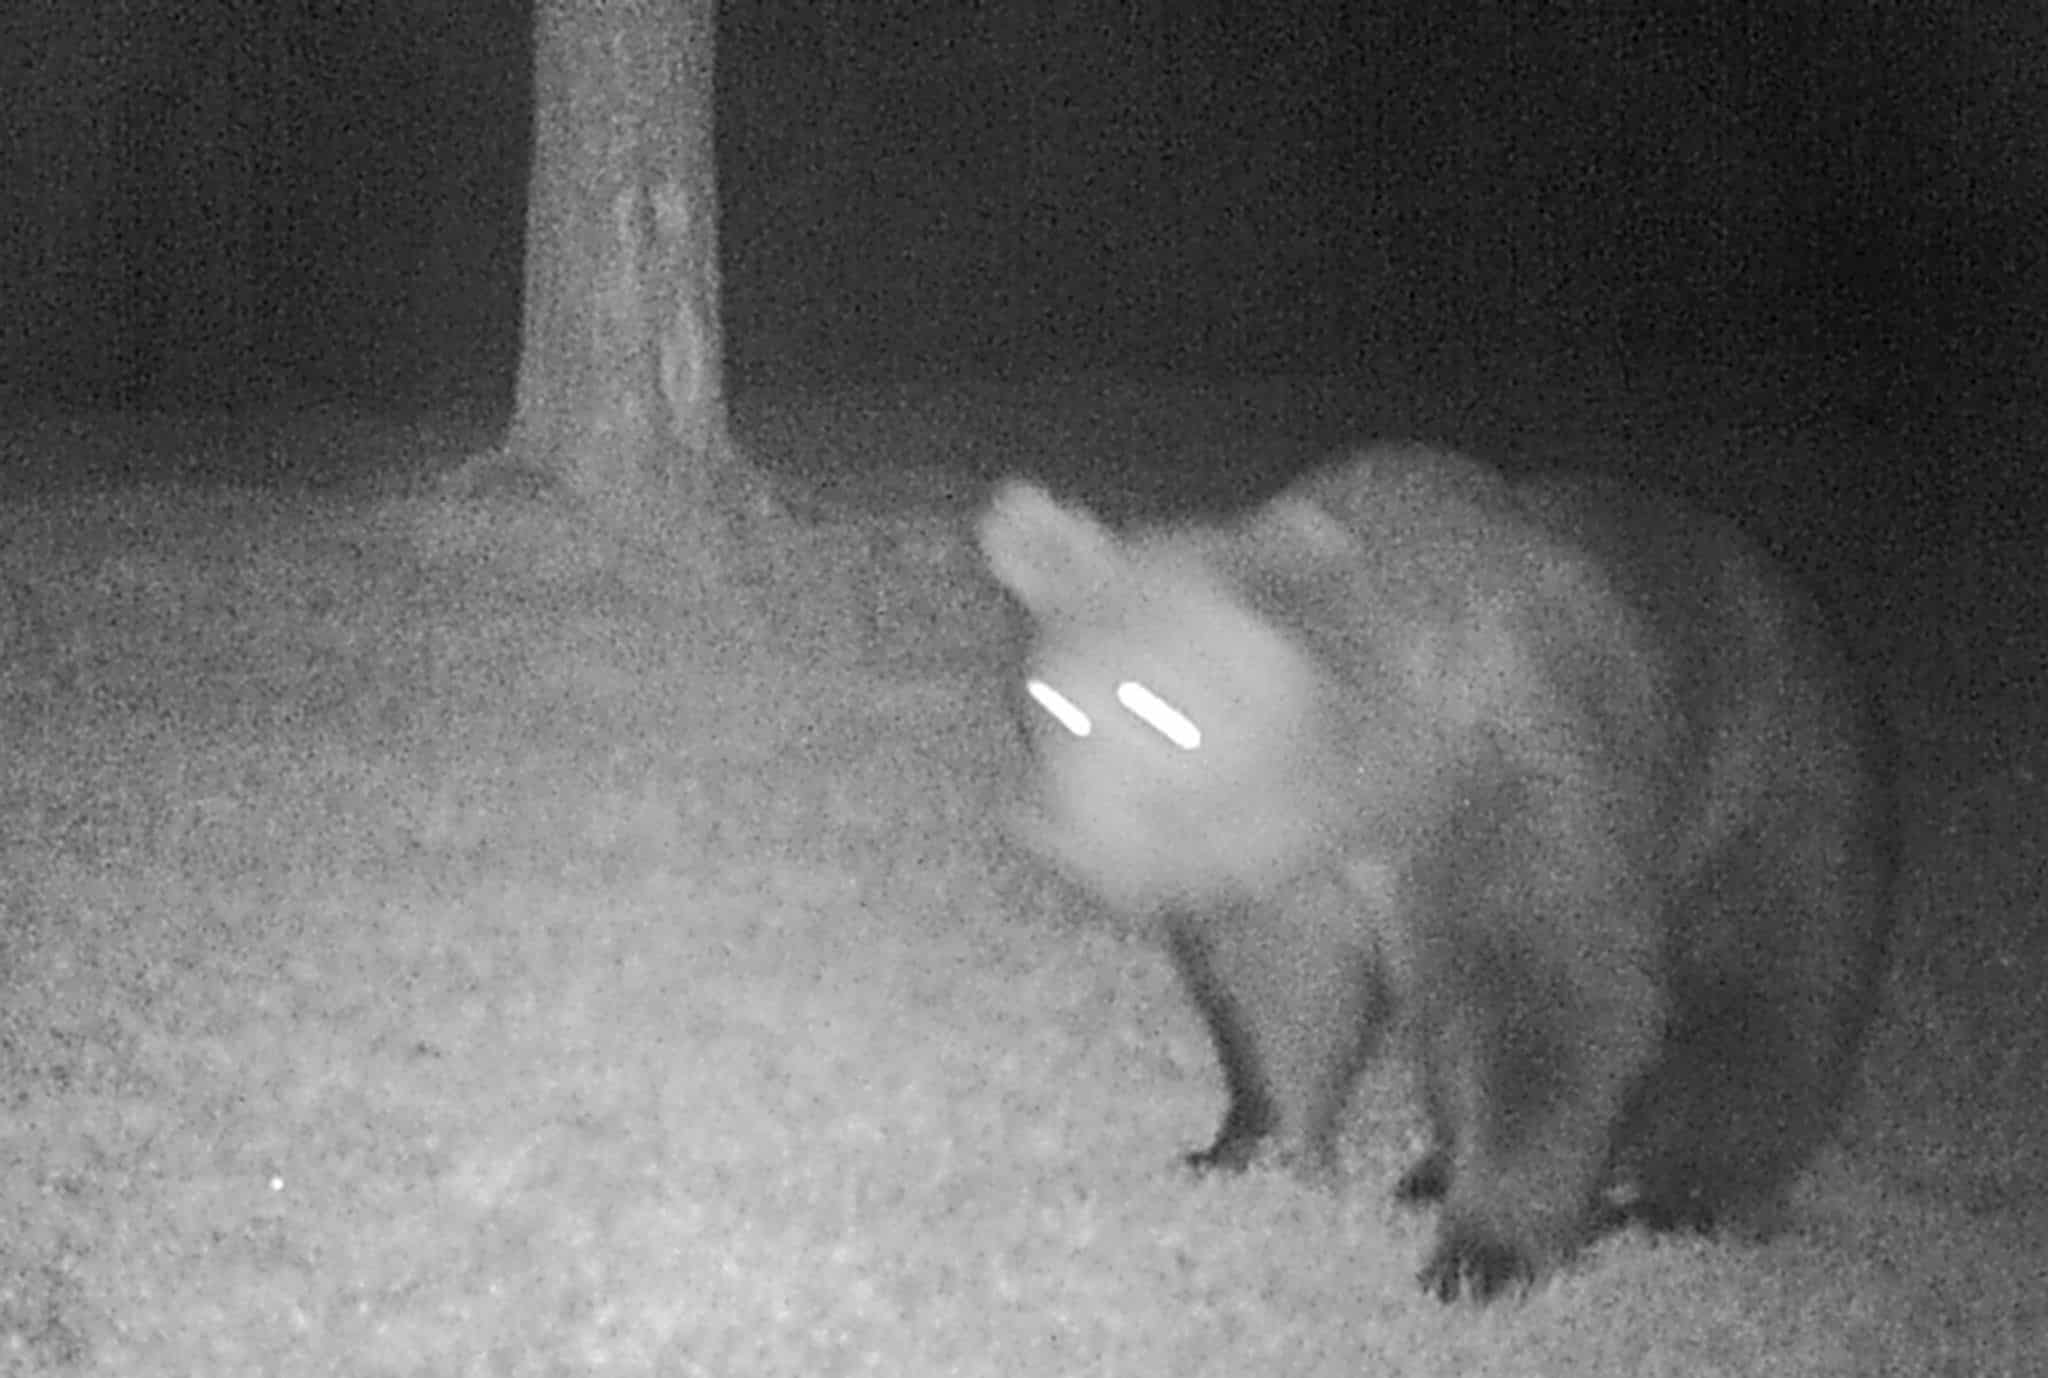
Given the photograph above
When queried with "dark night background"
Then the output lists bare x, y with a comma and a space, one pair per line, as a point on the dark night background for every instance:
1825, 211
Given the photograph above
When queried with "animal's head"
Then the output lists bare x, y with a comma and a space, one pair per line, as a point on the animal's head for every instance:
1176, 728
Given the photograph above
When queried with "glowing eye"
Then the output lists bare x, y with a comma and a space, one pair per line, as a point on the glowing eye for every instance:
1064, 710
1159, 715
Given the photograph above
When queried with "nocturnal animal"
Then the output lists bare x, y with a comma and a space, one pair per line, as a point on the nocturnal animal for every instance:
1565, 776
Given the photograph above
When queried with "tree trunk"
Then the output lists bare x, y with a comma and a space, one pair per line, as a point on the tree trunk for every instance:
619, 392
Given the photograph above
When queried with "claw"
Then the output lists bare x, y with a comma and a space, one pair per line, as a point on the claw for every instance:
1429, 1180
1467, 1267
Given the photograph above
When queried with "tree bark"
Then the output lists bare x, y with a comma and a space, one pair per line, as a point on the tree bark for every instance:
619, 392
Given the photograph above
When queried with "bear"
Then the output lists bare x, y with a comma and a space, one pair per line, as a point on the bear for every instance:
1567, 779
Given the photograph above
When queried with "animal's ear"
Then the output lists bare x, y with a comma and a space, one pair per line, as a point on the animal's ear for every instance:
1047, 554
1297, 536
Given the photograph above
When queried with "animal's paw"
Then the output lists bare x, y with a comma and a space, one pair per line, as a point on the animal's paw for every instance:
1475, 1265
1426, 1182
1225, 1155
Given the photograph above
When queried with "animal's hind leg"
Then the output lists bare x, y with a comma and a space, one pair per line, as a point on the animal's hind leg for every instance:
1716, 1132
1751, 1073
1428, 1180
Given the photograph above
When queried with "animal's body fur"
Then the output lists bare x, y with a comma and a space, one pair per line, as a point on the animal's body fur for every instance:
1569, 775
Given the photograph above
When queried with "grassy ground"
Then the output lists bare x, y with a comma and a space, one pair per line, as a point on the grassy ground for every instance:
430, 950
